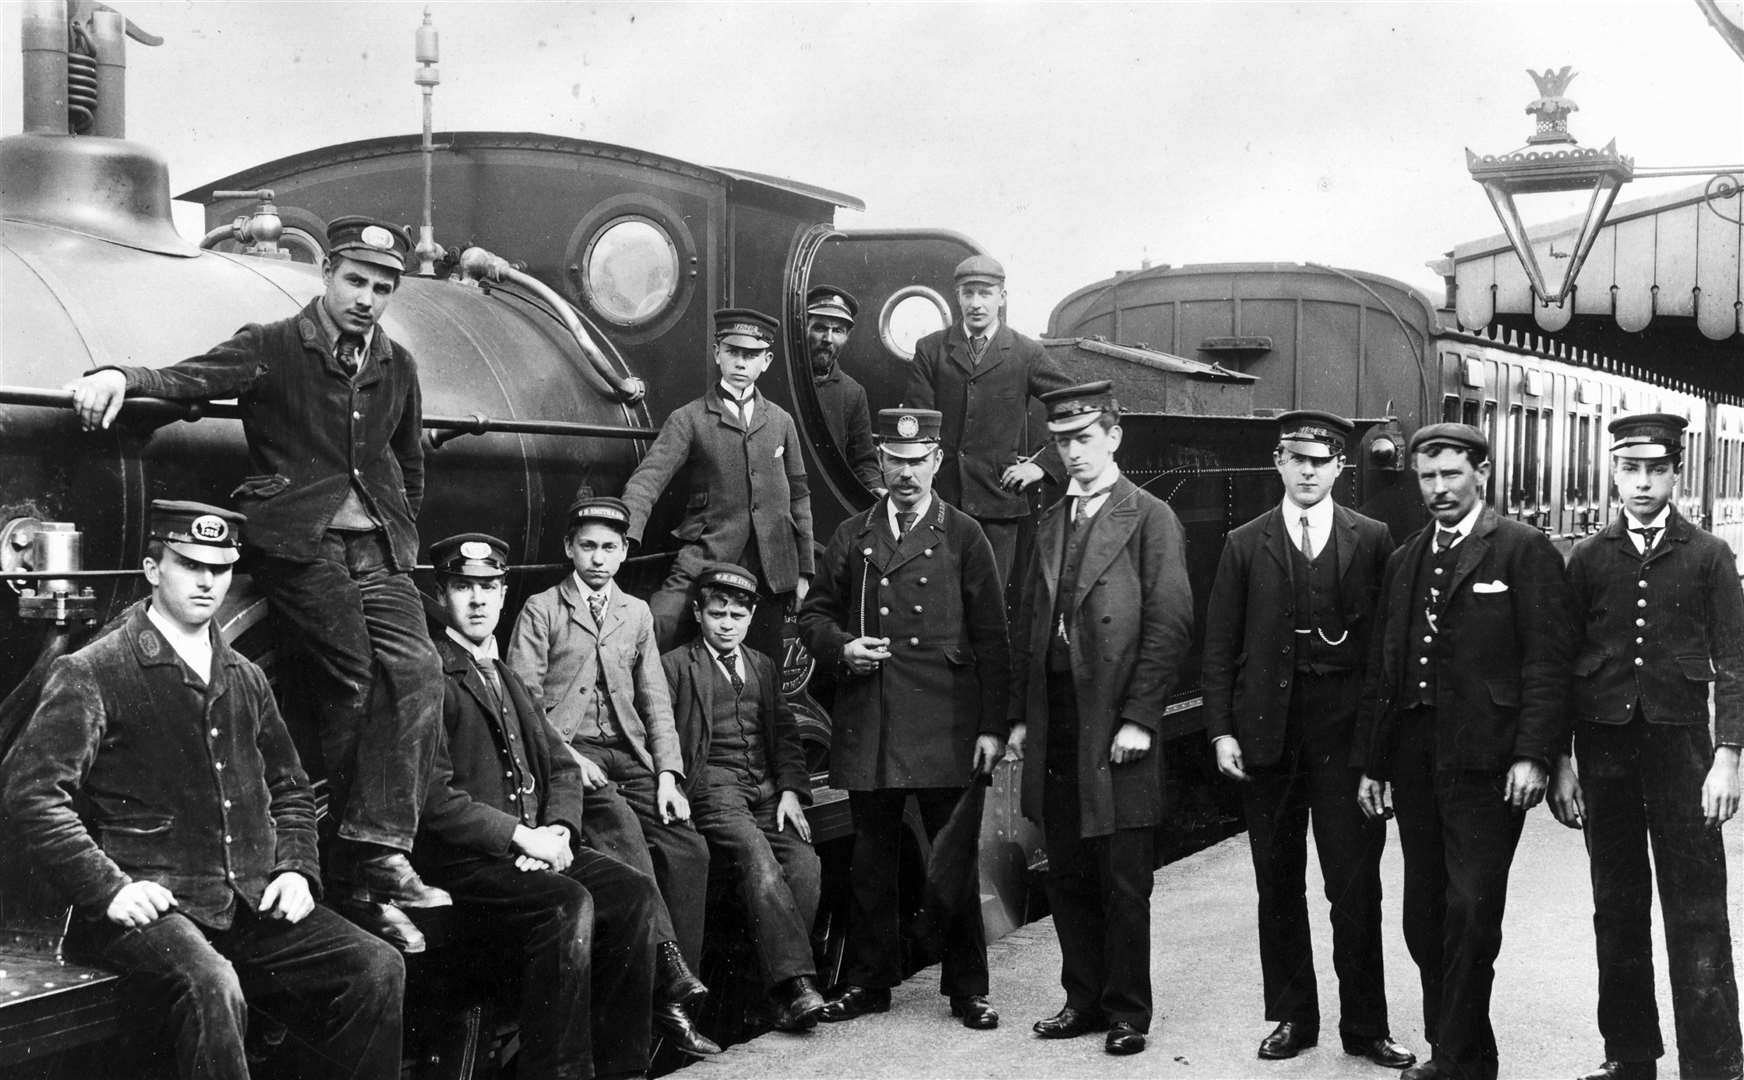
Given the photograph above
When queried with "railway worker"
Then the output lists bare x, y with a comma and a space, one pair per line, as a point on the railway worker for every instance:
748, 504
1463, 715
333, 418
1662, 620
829, 321
502, 832
1105, 620
981, 374
158, 790
910, 608
1294, 597
585, 651
749, 786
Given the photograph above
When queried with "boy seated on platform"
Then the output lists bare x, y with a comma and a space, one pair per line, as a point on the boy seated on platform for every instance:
749, 785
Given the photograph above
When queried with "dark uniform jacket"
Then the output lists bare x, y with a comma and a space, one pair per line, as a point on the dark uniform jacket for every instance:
496, 768
311, 430
1501, 658
740, 482
1130, 625
1660, 631
913, 722
690, 671
131, 770
1249, 663
986, 414
849, 421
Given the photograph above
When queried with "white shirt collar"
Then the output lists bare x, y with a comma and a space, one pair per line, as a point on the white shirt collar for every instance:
920, 512
193, 646
727, 393
586, 590
1466, 523
1110, 476
1319, 521
992, 329
1658, 521
334, 333
484, 653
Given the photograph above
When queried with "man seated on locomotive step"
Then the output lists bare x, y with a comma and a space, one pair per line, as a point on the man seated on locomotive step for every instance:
586, 651
159, 792
333, 418
829, 321
749, 785
502, 832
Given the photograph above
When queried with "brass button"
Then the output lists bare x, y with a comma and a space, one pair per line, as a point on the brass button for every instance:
1639, 661
923, 581
914, 641
883, 611
1641, 603
917, 609
884, 581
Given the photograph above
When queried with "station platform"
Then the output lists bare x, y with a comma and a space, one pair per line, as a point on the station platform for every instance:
1206, 975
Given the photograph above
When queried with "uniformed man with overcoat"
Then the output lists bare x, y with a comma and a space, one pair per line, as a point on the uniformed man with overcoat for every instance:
1104, 622
908, 604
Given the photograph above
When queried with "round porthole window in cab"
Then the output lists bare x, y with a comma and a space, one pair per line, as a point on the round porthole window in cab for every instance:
630, 271
910, 314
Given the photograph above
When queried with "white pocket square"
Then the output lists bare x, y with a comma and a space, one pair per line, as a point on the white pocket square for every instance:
1490, 587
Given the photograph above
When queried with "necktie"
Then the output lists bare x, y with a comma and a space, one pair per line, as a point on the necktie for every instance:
488, 671
596, 603
349, 351
904, 522
1307, 540
730, 661
977, 346
1647, 533
1444, 539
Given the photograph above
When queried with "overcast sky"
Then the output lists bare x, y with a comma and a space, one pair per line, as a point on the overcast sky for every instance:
1070, 139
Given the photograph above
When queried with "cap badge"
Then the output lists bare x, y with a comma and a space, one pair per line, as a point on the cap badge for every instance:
907, 427
377, 237
209, 528
475, 549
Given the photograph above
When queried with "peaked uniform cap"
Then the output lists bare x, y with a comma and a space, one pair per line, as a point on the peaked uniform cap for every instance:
601, 508
1647, 436
908, 433
1312, 433
1074, 408
745, 328
473, 555
368, 240
195, 530
832, 302
728, 576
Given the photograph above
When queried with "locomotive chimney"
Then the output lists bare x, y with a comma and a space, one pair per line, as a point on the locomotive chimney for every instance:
45, 67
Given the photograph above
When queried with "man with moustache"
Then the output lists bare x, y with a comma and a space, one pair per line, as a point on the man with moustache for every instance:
980, 374
1662, 619
333, 417
829, 320
1286, 635
1463, 714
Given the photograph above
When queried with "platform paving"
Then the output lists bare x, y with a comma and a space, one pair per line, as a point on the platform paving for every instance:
1205, 968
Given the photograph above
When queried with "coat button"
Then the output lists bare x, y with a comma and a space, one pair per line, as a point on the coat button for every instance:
1438, 570
1641, 603
1640, 622
1282, 683
928, 553
1642, 583
1428, 639
884, 581
1422, 686
1423, 659
883, 611
914, 641
923, 581
917, 609
214, 733
1639, 661
1640, 641
865, 551
1110, 618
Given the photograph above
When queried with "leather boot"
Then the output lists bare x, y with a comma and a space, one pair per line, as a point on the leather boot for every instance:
673, 1023
674, 977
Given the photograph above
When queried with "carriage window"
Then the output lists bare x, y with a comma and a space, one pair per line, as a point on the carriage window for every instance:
909, 315
630, 270
1450, 409
1468, 413
1519, 460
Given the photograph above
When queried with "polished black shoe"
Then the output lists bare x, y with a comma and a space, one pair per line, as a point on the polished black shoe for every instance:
799, 1011
385, 921
1426, 1070
850, 1001
1069, 1023
366, 873
1380, 1049
671, 1022
673, 976
974, 1011
1123, 1038
1287, 1040
1624, 1070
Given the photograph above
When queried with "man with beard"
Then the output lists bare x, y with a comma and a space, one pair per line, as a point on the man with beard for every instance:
829, 319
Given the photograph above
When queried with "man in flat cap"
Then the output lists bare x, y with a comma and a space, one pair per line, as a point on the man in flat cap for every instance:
159, 792
502, 832
910, 609
748, 502
333, 418
1662, 621
980, 374
1104, 624
829, 320
1286, 635
1463, 714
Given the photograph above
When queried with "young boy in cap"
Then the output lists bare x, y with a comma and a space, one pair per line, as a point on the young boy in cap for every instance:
159, 791
585, 650
748, 503
829, 321
502, 832
980, 374
333, 418
1662, 619
1105, 622
910, 608
749, 786
1286, 635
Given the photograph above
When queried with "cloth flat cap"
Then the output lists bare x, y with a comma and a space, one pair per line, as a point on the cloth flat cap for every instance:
473, 555
832, 303
984, 269
600, 508
1647, 436
744, 328
1435, 437
1075, 408
368, 240
908, 433
1312, 433
728, 576
194, 530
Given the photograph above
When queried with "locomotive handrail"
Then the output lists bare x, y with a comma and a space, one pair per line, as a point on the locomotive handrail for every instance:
454, 426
